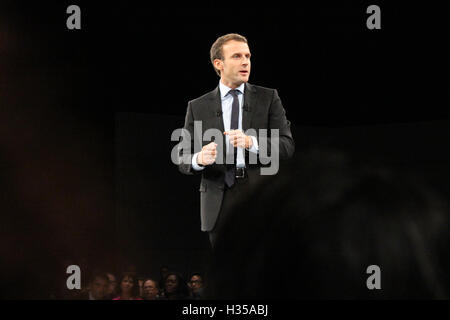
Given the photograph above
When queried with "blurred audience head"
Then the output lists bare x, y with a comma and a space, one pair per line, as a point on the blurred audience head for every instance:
150, 290
112, 286
128, 286
98, 286
175, 287
196, 284
140, 284
163, 270
196, 281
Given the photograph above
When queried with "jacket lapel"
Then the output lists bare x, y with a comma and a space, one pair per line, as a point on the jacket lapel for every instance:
249, 105
216, 108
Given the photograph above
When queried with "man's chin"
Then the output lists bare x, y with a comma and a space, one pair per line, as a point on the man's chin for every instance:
239, 81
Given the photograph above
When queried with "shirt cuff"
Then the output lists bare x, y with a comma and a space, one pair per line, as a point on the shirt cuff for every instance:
195, 165
254, 148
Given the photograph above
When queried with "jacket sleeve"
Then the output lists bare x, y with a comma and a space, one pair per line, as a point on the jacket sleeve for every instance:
278, 120
186, 144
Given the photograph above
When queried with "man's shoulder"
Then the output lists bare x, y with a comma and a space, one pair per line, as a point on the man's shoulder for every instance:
211, 95
207, 96
259, 89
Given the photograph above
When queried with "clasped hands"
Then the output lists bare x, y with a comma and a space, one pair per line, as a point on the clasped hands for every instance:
209, 152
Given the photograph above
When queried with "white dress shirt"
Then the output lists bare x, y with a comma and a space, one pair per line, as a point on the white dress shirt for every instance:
227, 106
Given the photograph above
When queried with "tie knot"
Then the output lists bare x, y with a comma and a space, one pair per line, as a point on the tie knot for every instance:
234, 93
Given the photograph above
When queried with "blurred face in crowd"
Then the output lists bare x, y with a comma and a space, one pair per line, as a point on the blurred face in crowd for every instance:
99, 288
235, 66
163, 271
112, 287
150, 290
171, 284
127, 285
196, 283
140, 283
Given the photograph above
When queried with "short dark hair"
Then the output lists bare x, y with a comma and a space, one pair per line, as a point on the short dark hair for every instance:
216, 51
98, 275
151, 279
196, 274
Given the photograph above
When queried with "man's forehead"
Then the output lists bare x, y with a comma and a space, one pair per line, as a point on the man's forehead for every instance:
236, 46
100, 281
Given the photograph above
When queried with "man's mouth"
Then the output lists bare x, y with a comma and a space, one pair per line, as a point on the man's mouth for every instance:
243, 72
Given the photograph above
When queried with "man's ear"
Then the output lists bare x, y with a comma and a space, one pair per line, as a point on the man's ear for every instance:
218, 64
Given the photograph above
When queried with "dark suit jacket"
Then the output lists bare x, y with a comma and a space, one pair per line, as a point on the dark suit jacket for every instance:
262, 110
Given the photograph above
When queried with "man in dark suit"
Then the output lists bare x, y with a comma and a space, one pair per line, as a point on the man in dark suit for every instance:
228, 173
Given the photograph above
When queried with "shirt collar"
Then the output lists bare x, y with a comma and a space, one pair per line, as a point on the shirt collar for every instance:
225, 89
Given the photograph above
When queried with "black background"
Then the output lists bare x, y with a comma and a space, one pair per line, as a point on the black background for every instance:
86, 117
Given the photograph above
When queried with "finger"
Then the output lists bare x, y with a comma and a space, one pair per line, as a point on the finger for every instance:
211, 159
240, 142
230, 132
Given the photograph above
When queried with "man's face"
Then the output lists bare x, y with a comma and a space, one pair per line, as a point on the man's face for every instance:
171, 283
99, 288
150, 291
235, 67
196, 283
112, 287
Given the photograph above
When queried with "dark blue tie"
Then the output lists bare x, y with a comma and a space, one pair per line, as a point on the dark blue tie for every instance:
230, 173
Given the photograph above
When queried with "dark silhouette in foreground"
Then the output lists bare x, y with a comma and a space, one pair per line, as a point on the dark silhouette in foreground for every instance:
312, 230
